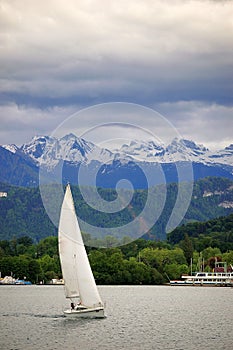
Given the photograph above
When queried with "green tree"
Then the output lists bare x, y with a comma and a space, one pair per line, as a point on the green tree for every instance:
211, 252
48, 246
35, 271
228, 257
139, 273
174, 271
49, 265
149, 257
187, 247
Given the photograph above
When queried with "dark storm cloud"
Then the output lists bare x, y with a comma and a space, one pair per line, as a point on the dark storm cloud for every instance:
58, 53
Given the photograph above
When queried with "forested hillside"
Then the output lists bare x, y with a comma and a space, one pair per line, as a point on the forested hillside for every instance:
22, 212
217, 233
139, 262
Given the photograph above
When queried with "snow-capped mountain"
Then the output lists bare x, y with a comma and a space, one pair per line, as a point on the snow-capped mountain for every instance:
141, 151
49, 152
177, 151
11, 148
224, 156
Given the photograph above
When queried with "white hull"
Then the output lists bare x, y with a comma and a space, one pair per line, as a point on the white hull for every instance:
215, 279
201, 284
97, 312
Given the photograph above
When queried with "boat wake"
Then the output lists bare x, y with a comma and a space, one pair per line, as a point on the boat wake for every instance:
29, 314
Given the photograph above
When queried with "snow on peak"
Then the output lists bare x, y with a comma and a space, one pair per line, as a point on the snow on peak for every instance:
49, 151
194, 146
184, 150
229, 148
178, 145
36, 147
11, 148
224, 156
177, 150
141, 150
151, 151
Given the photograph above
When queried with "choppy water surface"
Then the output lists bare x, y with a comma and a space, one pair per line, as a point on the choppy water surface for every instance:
138, 317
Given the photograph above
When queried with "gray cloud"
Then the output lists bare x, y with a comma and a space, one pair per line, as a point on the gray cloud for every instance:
211, 124
59, 56
201, 122
20, 124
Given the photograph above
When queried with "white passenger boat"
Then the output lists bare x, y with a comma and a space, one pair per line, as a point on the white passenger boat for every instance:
220, 277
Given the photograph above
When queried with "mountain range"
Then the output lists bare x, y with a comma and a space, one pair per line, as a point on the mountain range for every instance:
143, 163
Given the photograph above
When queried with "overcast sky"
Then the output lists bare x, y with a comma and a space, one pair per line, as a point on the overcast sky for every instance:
58, 57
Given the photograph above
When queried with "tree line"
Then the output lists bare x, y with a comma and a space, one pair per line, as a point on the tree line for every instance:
138, 262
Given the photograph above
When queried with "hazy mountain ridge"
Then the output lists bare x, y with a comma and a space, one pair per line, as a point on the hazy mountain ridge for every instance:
71, 151
47, 149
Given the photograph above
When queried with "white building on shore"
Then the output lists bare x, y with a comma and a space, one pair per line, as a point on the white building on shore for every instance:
3, 194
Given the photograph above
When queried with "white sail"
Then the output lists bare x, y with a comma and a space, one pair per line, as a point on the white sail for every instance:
76, 270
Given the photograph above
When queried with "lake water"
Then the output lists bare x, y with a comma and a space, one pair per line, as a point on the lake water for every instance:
138, 317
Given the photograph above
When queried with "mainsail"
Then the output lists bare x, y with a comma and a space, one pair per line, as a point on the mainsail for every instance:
76, 270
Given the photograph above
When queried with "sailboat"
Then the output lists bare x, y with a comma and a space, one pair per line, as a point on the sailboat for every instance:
80, 286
